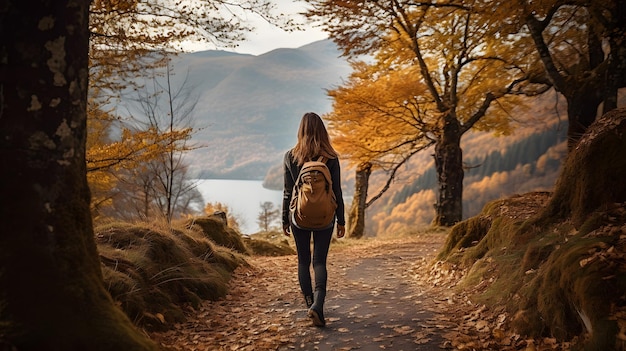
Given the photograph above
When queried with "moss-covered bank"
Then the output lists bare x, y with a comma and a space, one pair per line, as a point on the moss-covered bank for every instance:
556, 263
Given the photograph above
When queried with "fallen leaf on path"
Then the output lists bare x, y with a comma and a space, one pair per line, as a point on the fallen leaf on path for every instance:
404, 330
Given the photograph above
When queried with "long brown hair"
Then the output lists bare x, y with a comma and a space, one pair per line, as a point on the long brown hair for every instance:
313, 140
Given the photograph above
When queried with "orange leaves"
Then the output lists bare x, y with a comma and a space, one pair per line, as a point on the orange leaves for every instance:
377, 114
114, 5
428, 61
416, 211
135, 147
107, 158
457, 52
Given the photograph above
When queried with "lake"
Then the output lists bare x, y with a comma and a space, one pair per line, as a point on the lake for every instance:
243, 197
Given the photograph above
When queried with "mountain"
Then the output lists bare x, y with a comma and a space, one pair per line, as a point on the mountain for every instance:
249, 107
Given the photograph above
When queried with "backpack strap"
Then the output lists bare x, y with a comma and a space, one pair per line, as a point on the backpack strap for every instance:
321, 159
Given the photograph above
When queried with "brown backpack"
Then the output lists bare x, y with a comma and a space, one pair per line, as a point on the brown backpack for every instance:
313, 201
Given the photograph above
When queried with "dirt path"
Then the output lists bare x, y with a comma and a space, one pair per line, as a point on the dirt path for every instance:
376, 305
380, 297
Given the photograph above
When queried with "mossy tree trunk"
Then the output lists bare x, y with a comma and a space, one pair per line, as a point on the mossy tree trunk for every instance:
583, 99
593, 174
449, 166
356, 217
616, 70
52, 295
584, 91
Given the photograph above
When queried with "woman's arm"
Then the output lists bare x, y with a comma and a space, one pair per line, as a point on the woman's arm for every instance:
288, 184
335, 174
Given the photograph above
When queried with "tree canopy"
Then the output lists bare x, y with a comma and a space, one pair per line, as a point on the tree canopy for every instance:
581, 48
454, 67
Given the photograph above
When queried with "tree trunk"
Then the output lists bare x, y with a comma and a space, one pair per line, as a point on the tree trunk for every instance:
583, 91
593, 174
582, 109
616, 70
51, 288
356, 217
449, 165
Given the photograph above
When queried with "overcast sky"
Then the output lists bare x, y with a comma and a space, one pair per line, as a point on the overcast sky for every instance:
267, 37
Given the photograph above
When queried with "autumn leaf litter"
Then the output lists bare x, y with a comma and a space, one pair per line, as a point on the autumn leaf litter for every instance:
264, 311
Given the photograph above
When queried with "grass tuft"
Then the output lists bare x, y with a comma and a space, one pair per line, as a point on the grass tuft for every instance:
154, 271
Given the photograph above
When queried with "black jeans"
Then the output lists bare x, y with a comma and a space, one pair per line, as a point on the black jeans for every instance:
321, 243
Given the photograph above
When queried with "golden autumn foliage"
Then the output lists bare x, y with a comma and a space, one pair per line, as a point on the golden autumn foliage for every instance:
378, 117
439, 70
107, 156
416, 212
100, 181
134, 147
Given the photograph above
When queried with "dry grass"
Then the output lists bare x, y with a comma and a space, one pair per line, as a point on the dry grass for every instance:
269, 244
155, 271
217, 231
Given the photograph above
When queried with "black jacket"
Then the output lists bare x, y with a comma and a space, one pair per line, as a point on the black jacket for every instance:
291, 174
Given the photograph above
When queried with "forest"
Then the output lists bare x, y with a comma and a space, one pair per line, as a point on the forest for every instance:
104, 238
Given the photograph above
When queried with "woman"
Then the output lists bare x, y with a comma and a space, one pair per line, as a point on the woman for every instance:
313, 142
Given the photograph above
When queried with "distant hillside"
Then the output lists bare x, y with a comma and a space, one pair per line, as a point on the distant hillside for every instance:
496, 167
250, 106
524, 153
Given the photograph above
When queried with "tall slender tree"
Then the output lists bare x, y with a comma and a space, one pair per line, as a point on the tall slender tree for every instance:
167, 109
268, 216
114, 165
356, 214
51, 289
376, 126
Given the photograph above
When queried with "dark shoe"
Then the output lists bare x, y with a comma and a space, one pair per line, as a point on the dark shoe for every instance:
308, 299
317, 317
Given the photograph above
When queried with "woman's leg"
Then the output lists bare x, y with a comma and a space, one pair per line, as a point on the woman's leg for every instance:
303, 248
321, 244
